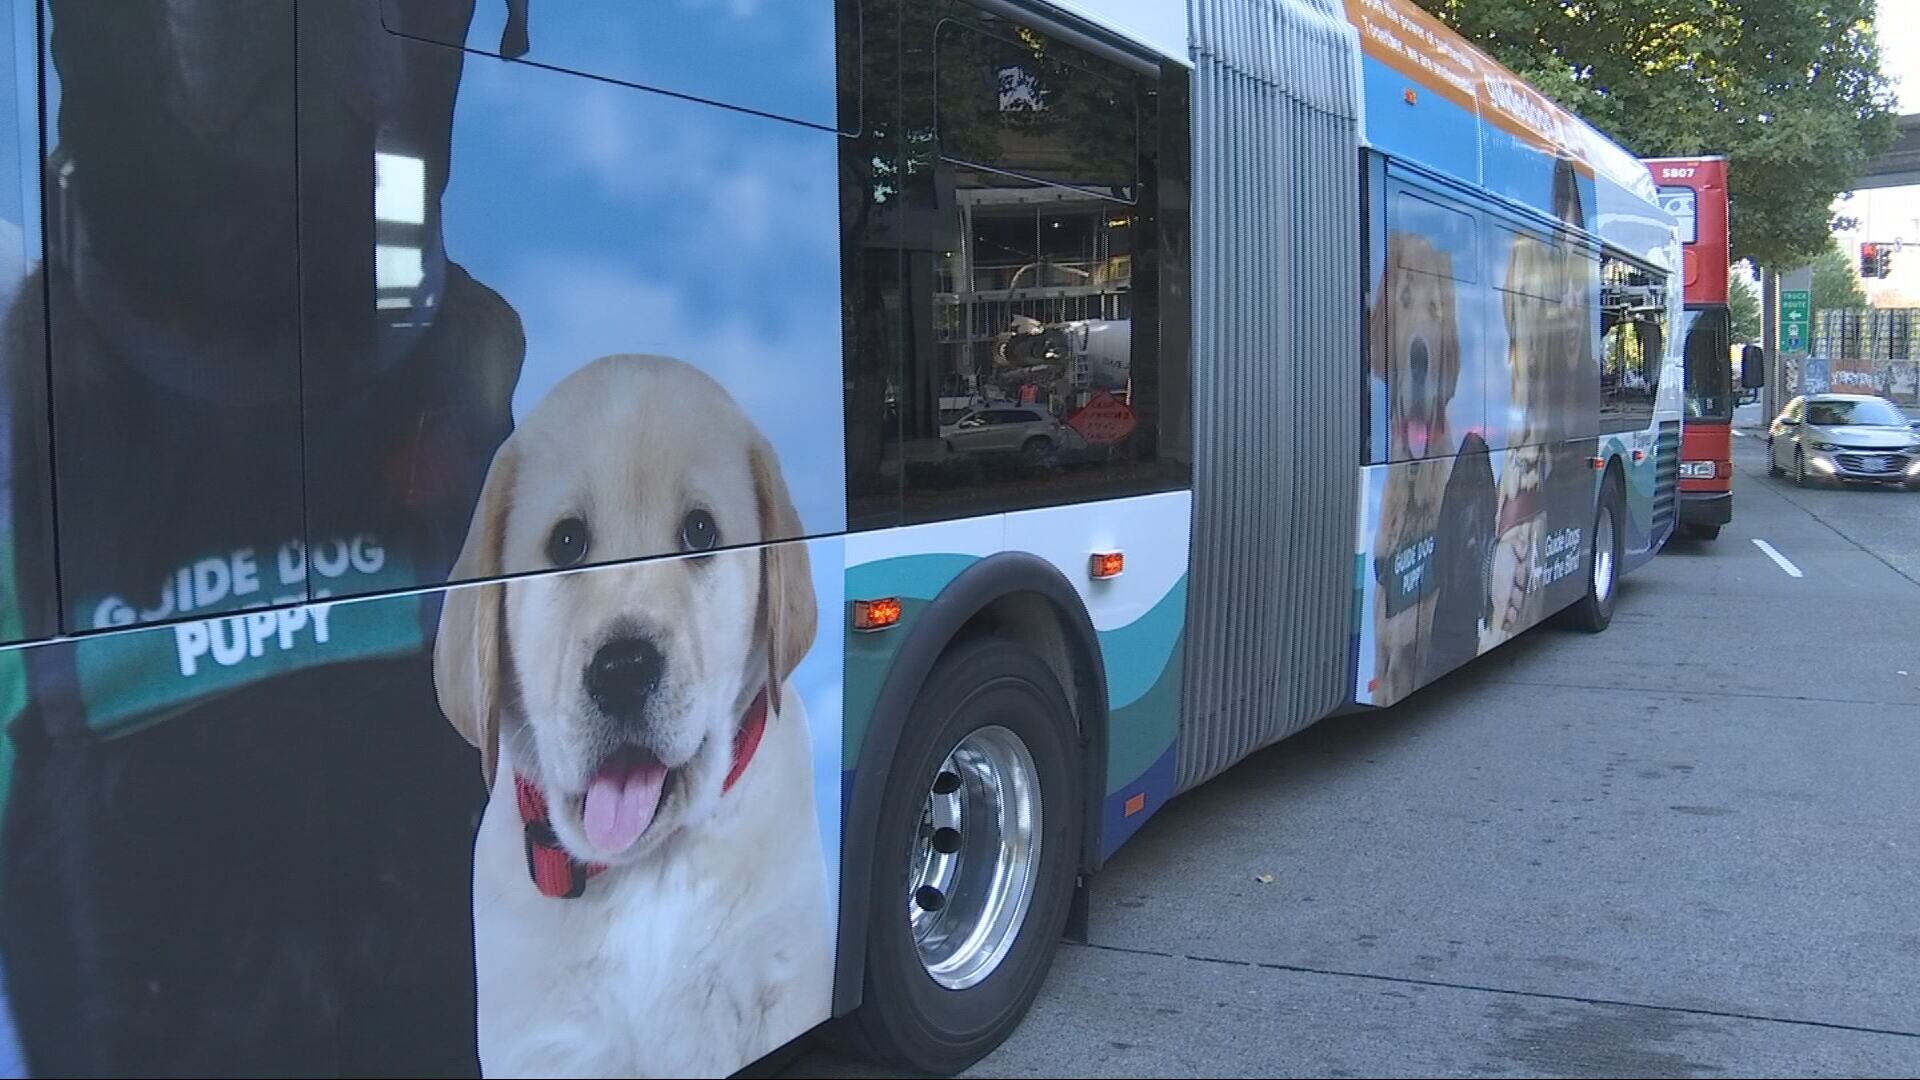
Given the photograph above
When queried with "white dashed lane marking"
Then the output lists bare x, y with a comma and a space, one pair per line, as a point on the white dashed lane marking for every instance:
1784, 562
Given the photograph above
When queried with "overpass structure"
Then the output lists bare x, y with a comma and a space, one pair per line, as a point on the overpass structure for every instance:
1900, 164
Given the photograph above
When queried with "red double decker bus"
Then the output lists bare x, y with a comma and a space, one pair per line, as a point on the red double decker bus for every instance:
1694, 191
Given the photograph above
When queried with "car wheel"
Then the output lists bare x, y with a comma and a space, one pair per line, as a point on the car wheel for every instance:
1773, 464
976, 856
1037, 450
1799, 468
1595, 610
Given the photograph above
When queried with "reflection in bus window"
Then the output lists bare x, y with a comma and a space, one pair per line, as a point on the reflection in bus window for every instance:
1633, 339
1029, 292
1709, 366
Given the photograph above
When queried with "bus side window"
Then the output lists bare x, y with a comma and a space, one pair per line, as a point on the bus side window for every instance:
1542, 386
1032, 291
1427, 344
172, 293
1633, 343
772, 48
28, 597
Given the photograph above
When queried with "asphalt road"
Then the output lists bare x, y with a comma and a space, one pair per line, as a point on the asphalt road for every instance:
1687, 846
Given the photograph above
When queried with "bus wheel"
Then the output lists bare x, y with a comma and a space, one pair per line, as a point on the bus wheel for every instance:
1595, 610
975, 859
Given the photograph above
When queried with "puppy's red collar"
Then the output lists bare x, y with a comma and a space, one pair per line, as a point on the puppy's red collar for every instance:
559, 875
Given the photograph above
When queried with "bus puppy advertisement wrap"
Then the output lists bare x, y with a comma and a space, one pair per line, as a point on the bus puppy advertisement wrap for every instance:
449, 586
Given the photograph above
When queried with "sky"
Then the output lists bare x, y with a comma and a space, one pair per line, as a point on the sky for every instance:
1893, 214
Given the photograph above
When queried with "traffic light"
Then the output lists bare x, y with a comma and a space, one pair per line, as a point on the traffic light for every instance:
1876, 260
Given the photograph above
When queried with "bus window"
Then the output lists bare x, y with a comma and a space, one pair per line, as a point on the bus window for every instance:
1051, 114
172, 298
449, 330
1709, 365
1032, 375
1541, 385
1426, 349
773, 50
1633, 341
28, 600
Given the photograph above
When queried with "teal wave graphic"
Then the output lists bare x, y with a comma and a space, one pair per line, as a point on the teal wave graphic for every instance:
920, 577
1136, 654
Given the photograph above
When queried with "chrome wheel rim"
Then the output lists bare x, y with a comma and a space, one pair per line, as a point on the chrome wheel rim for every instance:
976, 858
1603, 546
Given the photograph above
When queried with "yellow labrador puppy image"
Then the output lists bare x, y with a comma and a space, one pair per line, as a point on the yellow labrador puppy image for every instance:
649, 894
1415, 348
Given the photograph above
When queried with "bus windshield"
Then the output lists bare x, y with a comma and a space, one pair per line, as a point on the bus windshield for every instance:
1709, 365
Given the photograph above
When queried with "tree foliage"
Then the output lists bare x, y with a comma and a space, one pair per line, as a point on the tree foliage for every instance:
1744, 304
1836, 283
1790, 90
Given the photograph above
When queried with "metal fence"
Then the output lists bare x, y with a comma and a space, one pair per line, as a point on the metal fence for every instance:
1864, 351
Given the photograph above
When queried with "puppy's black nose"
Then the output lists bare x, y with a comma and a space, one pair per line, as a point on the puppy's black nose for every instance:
623, 675
1417, 360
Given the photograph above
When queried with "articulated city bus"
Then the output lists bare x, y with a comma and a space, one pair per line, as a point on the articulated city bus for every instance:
596, 538
1694, 191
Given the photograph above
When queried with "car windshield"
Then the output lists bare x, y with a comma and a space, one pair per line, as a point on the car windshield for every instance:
1872, 412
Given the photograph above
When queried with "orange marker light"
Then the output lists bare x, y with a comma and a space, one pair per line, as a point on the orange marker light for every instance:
1136, 803
876, 614
1412, 98
1106, 564
1639, 456
1598, 463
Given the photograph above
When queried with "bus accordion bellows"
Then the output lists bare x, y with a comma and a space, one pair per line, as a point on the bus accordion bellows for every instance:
596, 539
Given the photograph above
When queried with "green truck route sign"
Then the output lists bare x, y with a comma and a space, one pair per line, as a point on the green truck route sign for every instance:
1796, 319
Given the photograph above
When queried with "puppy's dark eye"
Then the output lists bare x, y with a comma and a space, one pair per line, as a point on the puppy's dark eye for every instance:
698, 532
567, 544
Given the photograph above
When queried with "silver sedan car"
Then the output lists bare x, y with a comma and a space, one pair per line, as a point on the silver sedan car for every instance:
1844, 437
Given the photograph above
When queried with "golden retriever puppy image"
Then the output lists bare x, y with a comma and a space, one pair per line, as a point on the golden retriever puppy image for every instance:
1415, 348
1415, 327
649, 893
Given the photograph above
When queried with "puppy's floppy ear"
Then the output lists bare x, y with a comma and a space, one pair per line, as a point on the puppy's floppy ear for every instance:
788, 613
1379, 344
466, 650
1448, 354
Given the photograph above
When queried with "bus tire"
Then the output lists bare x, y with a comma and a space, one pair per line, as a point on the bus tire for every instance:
1594, 610
991, 735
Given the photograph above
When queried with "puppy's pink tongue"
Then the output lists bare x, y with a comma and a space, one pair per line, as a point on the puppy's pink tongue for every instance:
621, 800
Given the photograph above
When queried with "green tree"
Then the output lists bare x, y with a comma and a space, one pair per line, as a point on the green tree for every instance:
1790, 90
1744, 300
1836, 281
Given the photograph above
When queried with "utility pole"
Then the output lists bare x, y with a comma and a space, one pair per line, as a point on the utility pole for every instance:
1770, 344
